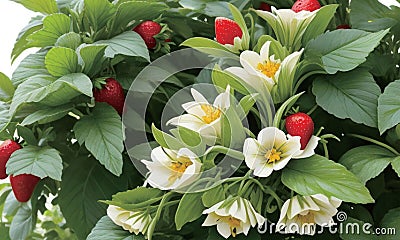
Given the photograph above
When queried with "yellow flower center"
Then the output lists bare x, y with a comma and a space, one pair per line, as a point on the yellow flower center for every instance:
308, 218
233, 223
179, 167
212, 113
268, 68
273, 155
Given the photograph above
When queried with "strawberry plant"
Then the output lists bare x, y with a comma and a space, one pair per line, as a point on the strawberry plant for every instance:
202, 120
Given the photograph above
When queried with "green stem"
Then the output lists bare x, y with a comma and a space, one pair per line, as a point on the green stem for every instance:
153, 223
325, 150
375, 142
304, 77
268, 190
227, 151
312, 109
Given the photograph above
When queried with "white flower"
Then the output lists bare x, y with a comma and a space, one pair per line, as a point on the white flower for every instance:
203, 117
300, 214
134, 222
308, 151
262, 70
271, 151
172, 169
233, 219
289, 26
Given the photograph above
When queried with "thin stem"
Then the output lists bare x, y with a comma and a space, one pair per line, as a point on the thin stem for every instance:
312, 109
268, 190
375, 142
304, 77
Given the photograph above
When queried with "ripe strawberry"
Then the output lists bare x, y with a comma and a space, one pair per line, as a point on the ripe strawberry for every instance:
147, 30
306, 5
343, 26
111, 93
6, 149
23, 186
265, 7
302, 125
226, 30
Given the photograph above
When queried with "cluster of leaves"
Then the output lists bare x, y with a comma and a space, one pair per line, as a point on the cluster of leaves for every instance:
343, 77
76, 145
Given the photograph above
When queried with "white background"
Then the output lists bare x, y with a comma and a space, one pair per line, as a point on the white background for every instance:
13, 17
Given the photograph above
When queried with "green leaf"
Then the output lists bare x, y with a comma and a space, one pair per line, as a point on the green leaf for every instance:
213, 196
39, 161
233, 133
370, 15
367, 162
47, 115
134, 199
22, 223
349, 234
351, 95
389, 107
54, 26
61, 61
391, 222
42, 6
396, 165
188, 137
32, 65
27, 134
275, 47
21, 44
135, 10
6, 88
208, 46
320, 22
69, 40
84, 183
92, 57
128, 43
101, 131
318, 174
51, 93
238, 18
165, 140
245, 105
106, 229
98, 13
190, 201
343, 50
222, 79
5, 117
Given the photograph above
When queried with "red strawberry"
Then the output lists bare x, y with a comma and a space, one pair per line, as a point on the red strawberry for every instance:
265, 7
302, 125
343, 26
6, 149
306, 5
111, 93
226, 30
23, 186
147, 30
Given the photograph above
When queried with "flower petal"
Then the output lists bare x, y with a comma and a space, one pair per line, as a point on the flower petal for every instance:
309, 150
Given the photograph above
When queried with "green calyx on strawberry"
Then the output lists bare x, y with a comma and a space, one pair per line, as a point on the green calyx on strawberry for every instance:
265, 7
226, 30
306, 5
302, 125
156, 36
7, 148
111, 92
23, 186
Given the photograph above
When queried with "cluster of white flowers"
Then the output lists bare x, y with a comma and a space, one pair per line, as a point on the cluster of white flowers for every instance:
271, 151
